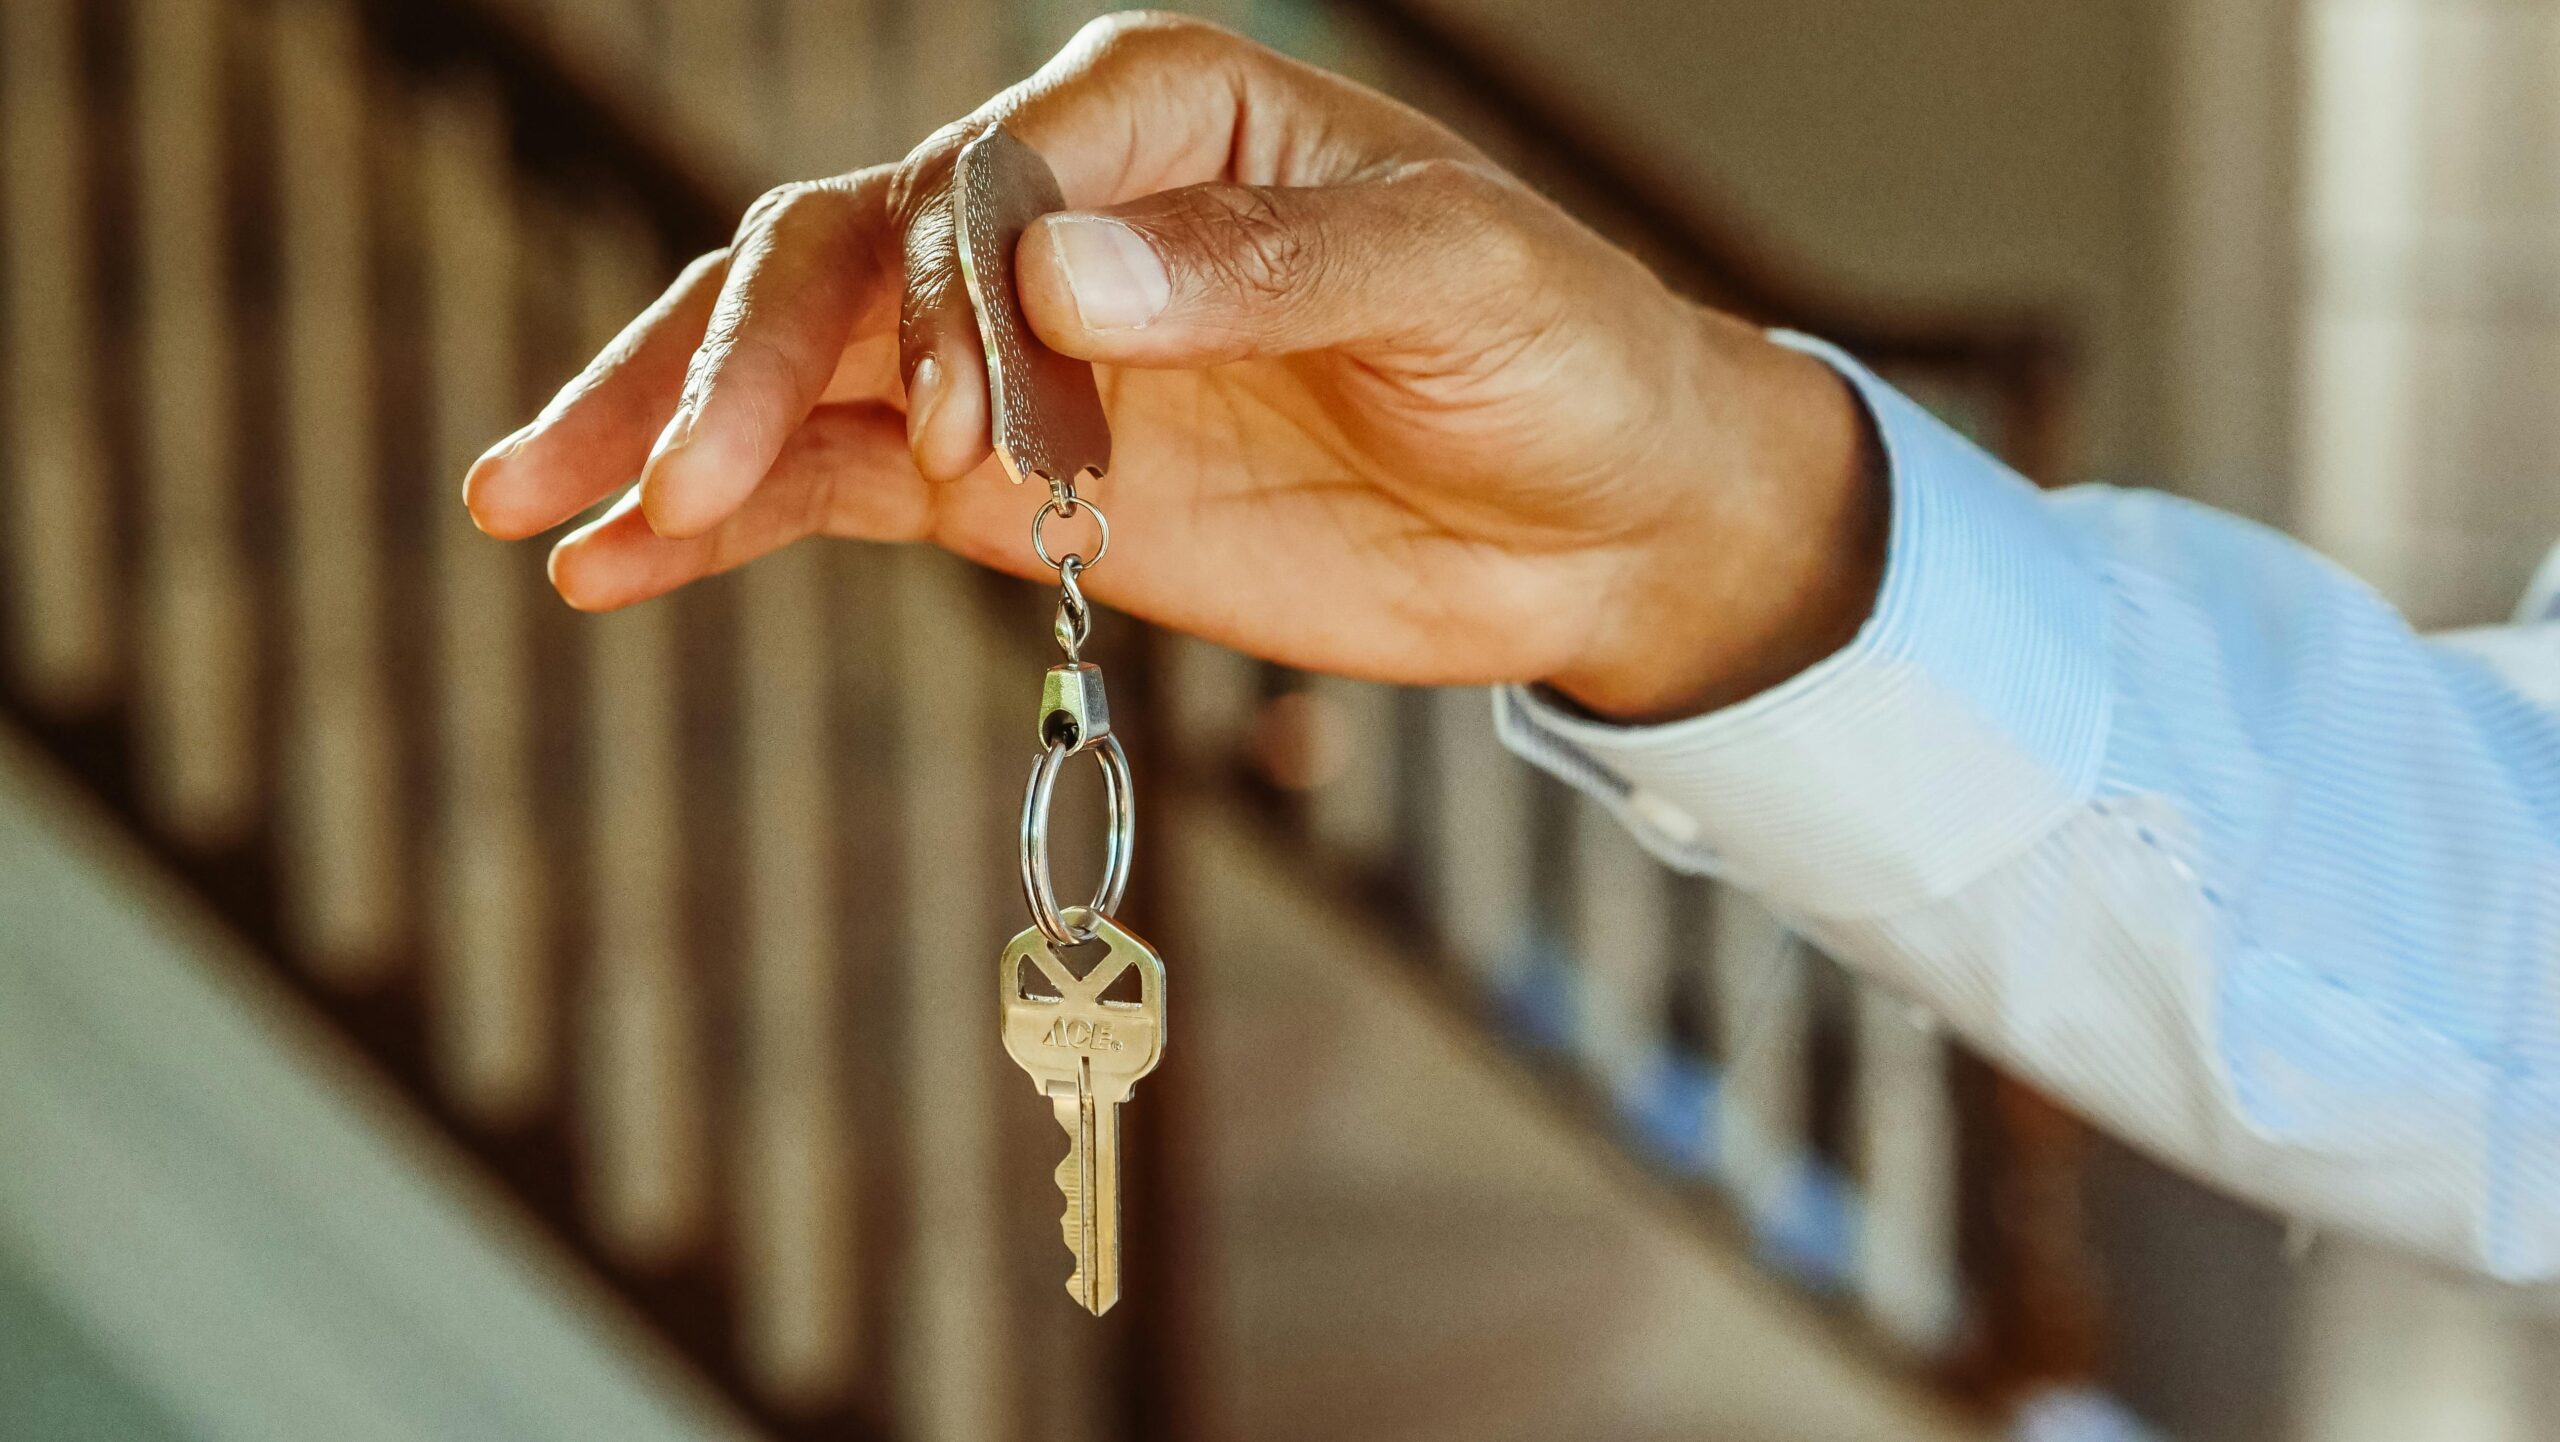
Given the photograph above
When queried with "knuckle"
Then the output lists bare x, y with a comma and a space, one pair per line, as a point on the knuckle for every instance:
766, 208
920, 179
702, 266
802, 208
1244, 239
1480, 215
1145, 35
802, 218
1465, 193
769, 209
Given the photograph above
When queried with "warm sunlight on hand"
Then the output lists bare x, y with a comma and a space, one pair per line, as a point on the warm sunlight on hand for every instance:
1378, 408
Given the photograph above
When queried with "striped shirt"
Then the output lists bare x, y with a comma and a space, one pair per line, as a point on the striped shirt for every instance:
2173, 816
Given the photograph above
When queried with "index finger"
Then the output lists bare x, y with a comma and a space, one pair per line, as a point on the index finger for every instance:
806, 268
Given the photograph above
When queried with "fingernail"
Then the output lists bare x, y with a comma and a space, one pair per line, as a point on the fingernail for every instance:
563, 579
924, 397
679, 430
509, 446
1115, 276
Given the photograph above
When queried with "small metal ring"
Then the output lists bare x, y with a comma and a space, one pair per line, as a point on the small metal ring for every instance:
1120, 842
1055, 506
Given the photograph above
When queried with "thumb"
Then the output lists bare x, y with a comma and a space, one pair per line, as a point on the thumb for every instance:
1213, 273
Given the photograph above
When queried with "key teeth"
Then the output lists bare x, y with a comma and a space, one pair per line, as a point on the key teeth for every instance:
1069, 1177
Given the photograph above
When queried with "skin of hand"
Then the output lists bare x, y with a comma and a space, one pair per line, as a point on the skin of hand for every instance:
1378, 408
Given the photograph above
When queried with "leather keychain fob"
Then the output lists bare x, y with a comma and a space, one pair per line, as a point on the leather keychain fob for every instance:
1047, 413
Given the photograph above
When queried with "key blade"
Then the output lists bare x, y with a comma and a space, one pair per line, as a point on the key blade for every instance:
1089, 1179
1046, 411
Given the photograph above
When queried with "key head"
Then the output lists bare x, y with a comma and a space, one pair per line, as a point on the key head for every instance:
1047, 412
1063, 1028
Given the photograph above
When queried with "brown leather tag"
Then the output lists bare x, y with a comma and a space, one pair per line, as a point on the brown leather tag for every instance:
1047, 413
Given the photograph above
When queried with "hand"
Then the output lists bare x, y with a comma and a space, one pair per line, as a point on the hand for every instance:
1378, 408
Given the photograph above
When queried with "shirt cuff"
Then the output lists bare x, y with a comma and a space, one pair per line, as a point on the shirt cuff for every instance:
1966, 720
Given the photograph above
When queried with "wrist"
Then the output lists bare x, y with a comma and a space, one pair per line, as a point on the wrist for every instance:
1771, 549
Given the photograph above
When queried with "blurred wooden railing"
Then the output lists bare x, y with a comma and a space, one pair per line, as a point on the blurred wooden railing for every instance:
658, 910
1931, 1202
623, 901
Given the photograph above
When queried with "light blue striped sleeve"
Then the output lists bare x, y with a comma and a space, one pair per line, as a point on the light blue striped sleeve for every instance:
2169, 813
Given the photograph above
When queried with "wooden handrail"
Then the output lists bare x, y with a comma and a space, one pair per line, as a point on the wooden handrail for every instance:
2027, 349
566, 125
1706, 239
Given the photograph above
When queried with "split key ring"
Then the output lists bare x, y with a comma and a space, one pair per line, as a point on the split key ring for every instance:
1120, 841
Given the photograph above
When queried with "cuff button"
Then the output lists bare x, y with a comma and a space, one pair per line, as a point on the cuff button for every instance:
1669, 822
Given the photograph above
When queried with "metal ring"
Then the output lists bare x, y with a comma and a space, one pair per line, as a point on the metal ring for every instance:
1119, 843
1057, 506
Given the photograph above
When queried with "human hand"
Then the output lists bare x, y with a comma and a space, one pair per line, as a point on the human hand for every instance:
1378, 408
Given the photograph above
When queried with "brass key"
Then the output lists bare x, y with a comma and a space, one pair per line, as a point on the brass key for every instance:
1085, 1051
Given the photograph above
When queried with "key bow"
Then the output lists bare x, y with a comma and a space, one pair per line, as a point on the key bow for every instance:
1121, 1041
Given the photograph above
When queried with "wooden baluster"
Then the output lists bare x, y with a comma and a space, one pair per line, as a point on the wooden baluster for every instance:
796, 1173
1214, 693
2050, 1323
616, 41
643, 1073
2365, 188
341, 786
841, 105
491, 987
1763, 1008
1484, 873
870, 953
1907, 1160
1622, 920
716, 86
196, 672
954, 53
1353, 807
61, 561
956, 1382
1686, 1118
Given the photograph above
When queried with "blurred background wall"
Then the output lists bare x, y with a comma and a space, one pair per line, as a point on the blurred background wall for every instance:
2009, 153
